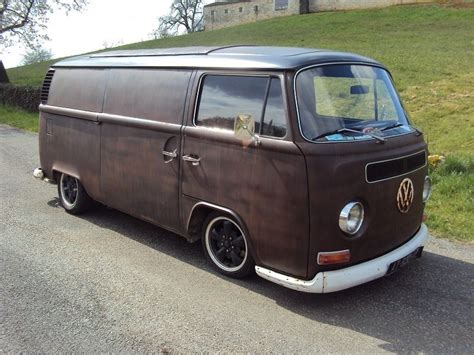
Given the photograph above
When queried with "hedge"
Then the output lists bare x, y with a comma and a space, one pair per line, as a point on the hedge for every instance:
25, 97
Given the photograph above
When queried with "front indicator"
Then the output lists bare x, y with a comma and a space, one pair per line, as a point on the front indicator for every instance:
334, 257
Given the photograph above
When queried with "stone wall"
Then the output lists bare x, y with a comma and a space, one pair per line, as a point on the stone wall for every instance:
227, 13
230, 14
334, 5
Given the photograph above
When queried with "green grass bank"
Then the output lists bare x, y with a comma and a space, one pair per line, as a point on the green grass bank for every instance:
430, 52
19, 118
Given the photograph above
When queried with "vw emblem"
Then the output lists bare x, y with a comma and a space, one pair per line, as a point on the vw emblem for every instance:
405, 195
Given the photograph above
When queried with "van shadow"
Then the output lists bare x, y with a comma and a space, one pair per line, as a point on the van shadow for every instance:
426, 307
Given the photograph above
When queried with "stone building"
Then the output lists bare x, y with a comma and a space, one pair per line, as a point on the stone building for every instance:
225, 13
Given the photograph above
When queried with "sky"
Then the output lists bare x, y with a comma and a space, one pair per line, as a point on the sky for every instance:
113, 22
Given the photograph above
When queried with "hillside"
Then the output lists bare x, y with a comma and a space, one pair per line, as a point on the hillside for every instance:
430, 52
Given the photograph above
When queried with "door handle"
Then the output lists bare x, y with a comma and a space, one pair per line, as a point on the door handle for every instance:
192, 159
171, 155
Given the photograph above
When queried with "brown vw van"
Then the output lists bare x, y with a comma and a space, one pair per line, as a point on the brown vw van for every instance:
299, 164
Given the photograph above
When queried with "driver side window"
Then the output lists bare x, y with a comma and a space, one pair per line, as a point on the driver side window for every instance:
224, 97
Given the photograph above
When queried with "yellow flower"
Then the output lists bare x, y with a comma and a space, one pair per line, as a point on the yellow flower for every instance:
435, 160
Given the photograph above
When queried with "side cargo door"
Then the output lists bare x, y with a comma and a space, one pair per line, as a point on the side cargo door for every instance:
265, 184
141, 138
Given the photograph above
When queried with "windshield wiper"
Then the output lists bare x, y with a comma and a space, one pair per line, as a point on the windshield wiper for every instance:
342, 130
418, 132
395, 125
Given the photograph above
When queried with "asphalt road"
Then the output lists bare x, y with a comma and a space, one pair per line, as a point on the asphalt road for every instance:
109, 282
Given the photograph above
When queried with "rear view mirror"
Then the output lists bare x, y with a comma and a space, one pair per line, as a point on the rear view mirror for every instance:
359, 89
244, 129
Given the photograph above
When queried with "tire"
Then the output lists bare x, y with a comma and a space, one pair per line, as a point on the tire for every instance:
72, 195
226, 246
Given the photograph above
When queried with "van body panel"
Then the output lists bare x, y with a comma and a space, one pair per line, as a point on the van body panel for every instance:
336, 176
71, 146
150, 94
87, 93
259, 186
135, 175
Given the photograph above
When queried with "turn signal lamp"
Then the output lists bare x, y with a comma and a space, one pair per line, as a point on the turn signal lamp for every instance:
334, 257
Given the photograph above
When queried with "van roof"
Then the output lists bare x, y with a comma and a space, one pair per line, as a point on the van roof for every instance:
236, 57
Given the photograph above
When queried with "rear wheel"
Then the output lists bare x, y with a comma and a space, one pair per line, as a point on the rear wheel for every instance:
226, 246
72, 195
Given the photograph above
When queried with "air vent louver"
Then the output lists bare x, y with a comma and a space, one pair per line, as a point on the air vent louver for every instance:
395, 167
46, 85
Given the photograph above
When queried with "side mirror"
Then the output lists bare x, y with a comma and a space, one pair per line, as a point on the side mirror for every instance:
244, 129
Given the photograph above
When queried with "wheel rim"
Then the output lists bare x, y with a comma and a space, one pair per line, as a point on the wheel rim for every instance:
69, 189
226, 244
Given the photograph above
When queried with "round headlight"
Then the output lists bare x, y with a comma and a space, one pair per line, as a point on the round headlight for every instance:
426, 189
351, 217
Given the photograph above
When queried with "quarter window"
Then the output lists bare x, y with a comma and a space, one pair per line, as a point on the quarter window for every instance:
274, 123
224, 97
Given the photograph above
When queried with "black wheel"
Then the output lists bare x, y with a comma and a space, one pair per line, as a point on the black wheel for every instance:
72, 195
226, 246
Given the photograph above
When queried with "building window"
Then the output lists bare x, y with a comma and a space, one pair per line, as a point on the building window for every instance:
240, 9
226, 11
281, 4
255, 8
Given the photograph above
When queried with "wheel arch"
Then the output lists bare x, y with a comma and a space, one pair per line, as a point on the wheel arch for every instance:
57, 170
201, 210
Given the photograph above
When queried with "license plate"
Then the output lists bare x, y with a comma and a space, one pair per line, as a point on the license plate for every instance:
397, 265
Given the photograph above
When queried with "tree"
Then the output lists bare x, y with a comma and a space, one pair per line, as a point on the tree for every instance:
111, 44
183, 13
25, 20
161, 33
36, 55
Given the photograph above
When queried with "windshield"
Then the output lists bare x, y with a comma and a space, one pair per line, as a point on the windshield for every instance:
348, 102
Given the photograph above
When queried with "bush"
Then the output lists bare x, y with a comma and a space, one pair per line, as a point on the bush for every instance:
25, 97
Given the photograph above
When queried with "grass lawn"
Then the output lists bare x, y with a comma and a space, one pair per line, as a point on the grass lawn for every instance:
430, 52
18, 118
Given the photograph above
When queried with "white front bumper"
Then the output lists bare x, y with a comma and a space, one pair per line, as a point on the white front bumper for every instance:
337, 280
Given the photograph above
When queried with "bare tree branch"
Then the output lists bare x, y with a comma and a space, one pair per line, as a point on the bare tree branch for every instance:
25, 20
183, 13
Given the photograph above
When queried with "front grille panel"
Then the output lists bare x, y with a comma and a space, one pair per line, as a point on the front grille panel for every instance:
387, 169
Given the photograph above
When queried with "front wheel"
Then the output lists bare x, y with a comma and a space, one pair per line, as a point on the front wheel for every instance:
72, 195
226, 246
